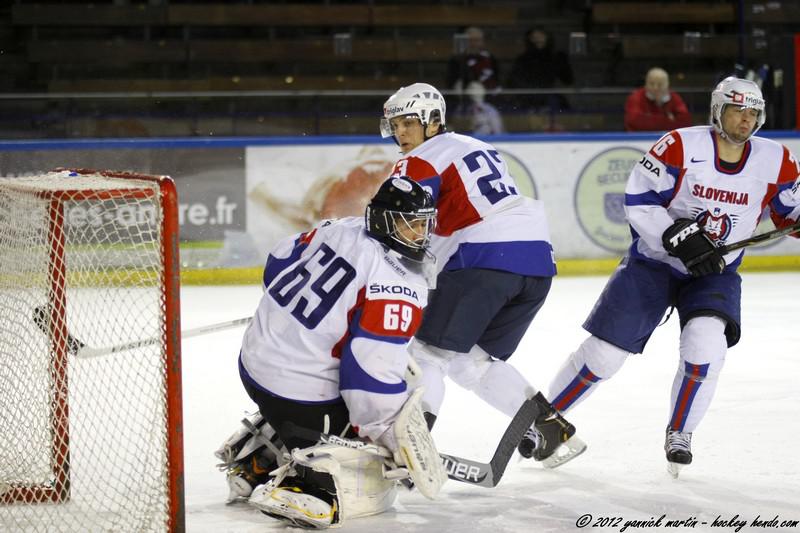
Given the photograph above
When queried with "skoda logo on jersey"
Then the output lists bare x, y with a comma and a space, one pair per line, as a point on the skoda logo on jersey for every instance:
717, 225
394, 290
600, 197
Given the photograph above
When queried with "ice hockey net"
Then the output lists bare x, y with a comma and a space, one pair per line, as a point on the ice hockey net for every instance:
89, 444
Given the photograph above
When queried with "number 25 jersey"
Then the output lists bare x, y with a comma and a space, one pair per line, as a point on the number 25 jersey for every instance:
483, 221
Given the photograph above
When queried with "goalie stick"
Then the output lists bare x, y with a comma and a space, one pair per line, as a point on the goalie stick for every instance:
79, 349
458, 468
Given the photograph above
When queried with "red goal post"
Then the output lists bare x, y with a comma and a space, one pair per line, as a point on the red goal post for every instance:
90, 444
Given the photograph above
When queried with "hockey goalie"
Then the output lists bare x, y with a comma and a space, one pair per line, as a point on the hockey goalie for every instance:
325, 360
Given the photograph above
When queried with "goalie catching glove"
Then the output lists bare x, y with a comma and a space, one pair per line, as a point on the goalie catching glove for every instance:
687, 241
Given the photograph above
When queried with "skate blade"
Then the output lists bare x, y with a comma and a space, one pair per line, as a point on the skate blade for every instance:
565, 453
674, 469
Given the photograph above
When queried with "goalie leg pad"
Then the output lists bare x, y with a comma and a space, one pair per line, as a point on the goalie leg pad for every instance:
416, 449
254, 434
248, 456
361, 489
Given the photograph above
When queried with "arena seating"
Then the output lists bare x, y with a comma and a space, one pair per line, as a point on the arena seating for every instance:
373, 46
649, 13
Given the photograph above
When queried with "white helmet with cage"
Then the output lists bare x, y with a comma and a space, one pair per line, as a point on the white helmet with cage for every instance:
739, 92
420, 99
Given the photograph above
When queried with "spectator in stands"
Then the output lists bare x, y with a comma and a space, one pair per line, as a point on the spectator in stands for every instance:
540, 66
654, 107
476, 63
483, 117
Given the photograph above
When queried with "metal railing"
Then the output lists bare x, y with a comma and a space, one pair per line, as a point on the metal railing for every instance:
331, 112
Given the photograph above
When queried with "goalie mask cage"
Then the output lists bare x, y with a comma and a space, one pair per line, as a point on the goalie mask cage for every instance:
89, 444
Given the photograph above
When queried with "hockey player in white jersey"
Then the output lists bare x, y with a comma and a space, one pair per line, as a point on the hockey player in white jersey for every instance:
496, 265
326, 354
697, 188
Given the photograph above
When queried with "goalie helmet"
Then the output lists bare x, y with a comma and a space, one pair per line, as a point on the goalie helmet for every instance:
739, 92
402, 216
419, 99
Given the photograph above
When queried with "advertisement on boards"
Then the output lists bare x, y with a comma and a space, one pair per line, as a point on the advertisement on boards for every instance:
210, 180
582, 185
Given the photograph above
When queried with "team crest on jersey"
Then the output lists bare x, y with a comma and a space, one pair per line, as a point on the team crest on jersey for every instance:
717, 225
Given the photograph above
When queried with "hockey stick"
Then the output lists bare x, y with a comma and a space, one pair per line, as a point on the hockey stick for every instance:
80, 349
755, 239
489, 474
458, 468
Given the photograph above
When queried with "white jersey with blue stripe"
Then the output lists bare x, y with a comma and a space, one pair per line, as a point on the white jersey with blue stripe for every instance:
682, 177
483, 221
337, 312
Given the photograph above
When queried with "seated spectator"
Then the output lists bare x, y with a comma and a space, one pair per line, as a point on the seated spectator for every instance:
476, 63
654, 107
483, 118
540, 66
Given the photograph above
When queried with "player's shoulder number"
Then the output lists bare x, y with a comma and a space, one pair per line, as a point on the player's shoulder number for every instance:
663, 143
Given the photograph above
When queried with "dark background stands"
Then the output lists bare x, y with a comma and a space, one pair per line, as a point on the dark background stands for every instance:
540, 66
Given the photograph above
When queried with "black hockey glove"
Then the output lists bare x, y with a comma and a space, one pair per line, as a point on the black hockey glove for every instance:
687, 241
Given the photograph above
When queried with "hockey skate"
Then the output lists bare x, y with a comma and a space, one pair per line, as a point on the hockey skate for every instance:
678, 446
551, 440
292, 505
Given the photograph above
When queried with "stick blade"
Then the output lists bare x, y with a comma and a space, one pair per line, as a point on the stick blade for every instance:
489, 474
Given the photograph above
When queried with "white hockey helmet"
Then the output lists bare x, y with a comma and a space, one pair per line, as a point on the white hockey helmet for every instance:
739, 92
420, 99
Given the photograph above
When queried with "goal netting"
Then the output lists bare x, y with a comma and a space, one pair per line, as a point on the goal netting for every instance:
89, 443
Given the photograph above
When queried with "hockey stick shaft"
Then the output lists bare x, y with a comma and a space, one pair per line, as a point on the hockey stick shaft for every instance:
763, 237
88, 351
79, 349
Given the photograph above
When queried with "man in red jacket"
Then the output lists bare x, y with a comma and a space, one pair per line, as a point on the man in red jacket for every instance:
654, 107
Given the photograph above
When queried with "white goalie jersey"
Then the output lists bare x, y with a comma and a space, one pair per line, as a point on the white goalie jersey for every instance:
337, 312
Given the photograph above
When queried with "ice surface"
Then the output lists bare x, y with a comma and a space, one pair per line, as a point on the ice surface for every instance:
745, 463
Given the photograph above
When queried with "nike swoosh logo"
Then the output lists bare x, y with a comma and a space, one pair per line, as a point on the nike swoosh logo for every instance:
698, 160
